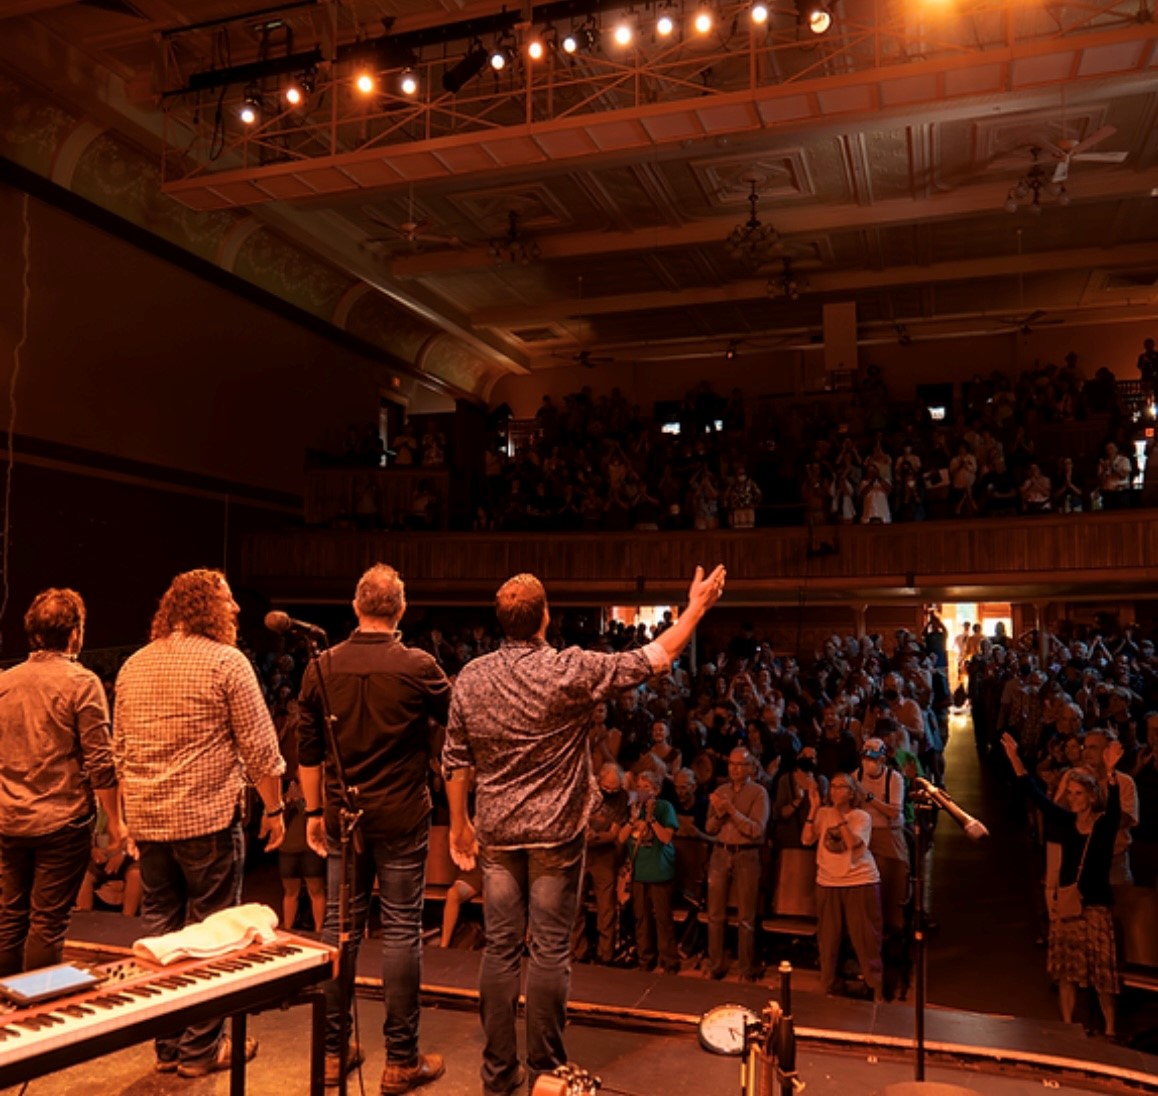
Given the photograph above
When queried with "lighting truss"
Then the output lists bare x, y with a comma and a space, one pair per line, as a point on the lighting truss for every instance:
204, 141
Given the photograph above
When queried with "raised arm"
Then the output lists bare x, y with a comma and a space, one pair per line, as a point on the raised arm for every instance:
703, 593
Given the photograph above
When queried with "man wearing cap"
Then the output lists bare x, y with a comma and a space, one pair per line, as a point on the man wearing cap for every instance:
884, 789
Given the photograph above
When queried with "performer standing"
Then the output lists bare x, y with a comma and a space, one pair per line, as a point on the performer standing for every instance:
518, 723
189, 728
56, 760
383, 697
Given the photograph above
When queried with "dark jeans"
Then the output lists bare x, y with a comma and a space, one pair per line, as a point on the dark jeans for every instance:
400, 865
539, 889
183, 882
652, 905
742, 867
41, 879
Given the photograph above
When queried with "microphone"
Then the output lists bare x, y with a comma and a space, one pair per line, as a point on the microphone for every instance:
277, 621
973, 828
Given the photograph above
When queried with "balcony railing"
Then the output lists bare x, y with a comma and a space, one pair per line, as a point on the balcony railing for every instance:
1091, 556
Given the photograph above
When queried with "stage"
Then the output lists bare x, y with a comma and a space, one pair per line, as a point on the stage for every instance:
637, 1031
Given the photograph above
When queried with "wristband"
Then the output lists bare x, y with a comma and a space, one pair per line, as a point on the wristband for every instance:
277, 812
317, 812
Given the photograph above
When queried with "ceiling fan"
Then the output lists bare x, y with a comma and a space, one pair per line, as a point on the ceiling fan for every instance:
411, 232
586, 358
1068, 150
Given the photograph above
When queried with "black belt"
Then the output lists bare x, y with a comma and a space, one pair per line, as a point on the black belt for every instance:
737, 848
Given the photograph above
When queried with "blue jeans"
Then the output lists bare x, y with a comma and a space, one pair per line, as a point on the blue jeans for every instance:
400, 865
742, 866
41, 879
539, 889
183, 882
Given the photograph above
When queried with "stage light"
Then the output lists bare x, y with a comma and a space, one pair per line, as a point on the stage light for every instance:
759, 12
294, 96
664, 25
570, 43
535, 49
365, 82
623, 34
503, 53
454, 79
817, 16
250, 110
703, 20
408, 82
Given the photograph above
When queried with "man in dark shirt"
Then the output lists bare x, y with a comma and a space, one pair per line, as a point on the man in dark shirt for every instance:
383, 696
518, 726
56, 762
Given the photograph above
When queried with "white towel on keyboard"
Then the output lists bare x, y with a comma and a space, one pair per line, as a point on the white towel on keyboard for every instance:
220, 933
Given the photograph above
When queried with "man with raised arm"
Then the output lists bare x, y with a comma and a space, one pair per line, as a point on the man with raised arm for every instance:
518, 726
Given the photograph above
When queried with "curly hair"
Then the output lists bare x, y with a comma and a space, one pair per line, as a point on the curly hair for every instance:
52, 617
520, 605
193, 605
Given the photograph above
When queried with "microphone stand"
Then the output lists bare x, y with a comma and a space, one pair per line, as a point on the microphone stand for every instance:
924, 815
926, 798
349, 840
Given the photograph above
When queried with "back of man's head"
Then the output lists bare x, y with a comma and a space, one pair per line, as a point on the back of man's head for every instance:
520, 606
197, 603
52, 618
380, 594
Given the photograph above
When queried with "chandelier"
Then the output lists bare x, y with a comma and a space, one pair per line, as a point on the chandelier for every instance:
1032, 185
513, 247
752, 241
786, 284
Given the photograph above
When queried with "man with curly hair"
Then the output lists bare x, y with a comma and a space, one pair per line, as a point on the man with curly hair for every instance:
56, 764
191, 728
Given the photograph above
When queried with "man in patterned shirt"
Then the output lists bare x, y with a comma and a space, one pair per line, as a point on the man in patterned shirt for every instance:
518, 726
190, 728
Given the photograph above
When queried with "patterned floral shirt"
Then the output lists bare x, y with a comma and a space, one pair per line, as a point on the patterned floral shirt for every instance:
189, 727
520, 718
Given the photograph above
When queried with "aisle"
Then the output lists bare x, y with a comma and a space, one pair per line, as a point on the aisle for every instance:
983, 957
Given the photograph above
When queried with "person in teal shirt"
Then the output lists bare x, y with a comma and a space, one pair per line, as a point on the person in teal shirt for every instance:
651, 852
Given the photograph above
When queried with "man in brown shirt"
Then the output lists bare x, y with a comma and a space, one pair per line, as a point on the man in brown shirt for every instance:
56, 763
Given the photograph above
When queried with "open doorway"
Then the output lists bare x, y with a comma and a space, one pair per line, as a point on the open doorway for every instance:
986, 613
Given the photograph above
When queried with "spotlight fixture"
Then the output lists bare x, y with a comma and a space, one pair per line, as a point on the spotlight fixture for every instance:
586, 36
300, 89
751, 242
816, 15
623, 33
787, 284
570, 42
408, 83
536, 50
294, 96
759, 13
503, 53
250, 109
731, 350
461, 74
704, 20
365, 82
665, 23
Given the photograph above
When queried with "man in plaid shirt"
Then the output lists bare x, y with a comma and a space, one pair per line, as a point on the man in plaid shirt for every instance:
190, 728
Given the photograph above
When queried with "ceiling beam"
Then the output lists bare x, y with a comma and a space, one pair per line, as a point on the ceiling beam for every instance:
837, 281
790, 220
